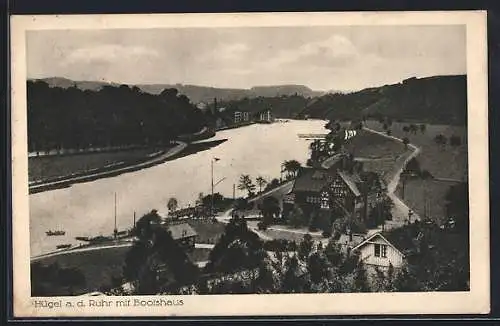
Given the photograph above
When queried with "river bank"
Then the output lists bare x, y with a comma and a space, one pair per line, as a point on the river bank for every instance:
182, 149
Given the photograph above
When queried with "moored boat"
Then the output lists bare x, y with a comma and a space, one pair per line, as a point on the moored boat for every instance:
63, 246
55, 233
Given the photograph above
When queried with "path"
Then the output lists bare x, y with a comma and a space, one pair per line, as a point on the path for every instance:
400, 210
89, 177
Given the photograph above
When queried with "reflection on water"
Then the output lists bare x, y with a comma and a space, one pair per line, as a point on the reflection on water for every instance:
87, 209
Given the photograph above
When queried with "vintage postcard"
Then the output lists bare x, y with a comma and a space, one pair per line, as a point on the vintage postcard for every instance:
250, 164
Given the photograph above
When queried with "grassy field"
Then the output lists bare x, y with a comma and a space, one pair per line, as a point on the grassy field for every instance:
419, 193
442, 161
47, 167
373, 146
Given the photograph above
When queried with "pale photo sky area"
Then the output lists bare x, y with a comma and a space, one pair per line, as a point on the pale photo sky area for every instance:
324, 58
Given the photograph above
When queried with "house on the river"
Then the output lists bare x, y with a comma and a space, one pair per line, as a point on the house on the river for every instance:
337, 191
264, 116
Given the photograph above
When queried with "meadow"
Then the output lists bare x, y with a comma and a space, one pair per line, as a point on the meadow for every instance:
369, 145
447, 164
56, 166
442, 161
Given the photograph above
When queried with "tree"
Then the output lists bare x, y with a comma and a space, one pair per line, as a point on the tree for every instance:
381, 212
292, 167
245, 183
406, 141
296, 217
273, 184
294, 280
270, 209
237, 248
305, 247
172, 204
440, 140
423, 127
360, 279
261, 182
457, 205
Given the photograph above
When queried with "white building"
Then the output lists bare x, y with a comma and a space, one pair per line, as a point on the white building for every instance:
377, 251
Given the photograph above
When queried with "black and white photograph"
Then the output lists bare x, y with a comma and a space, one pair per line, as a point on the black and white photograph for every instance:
167, 162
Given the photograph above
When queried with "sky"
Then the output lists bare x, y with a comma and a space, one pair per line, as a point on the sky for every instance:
330, 58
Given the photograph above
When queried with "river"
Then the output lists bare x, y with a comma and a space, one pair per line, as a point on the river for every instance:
87, 209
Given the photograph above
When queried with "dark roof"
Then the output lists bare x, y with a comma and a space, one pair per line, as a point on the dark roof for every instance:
403, 238
181, 230
351, 180
311, 180
332, 161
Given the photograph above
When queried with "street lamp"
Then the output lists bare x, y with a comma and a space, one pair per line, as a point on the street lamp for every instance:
214, 159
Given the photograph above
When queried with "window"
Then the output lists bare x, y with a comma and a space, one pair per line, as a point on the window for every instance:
380, 250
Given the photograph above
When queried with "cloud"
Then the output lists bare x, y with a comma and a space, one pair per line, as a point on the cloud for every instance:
333, 51
109, 52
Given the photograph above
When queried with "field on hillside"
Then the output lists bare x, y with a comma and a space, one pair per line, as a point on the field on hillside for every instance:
373, 146
442, 161
47, 167
419, 193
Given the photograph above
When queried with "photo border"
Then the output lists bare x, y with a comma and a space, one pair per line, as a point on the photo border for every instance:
478, 133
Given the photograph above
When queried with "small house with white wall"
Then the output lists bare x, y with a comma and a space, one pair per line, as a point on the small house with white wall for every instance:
378, 252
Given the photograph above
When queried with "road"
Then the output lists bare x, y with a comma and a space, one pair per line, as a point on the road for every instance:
400, 210
89, 177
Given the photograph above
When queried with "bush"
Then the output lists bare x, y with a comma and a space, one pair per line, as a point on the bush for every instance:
280, 245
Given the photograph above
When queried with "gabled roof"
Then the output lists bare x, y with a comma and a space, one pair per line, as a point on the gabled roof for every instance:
350, 180
311, 180
375, 235
181, 230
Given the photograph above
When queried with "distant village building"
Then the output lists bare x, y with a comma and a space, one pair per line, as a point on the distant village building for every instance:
237, 116
264, 116
241, 116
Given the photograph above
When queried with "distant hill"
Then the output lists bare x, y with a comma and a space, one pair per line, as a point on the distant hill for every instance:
438, 99
197, 94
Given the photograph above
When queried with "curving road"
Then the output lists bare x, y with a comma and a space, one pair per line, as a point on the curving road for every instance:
400, 210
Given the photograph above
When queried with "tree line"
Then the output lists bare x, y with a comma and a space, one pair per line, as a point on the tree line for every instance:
60, 118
